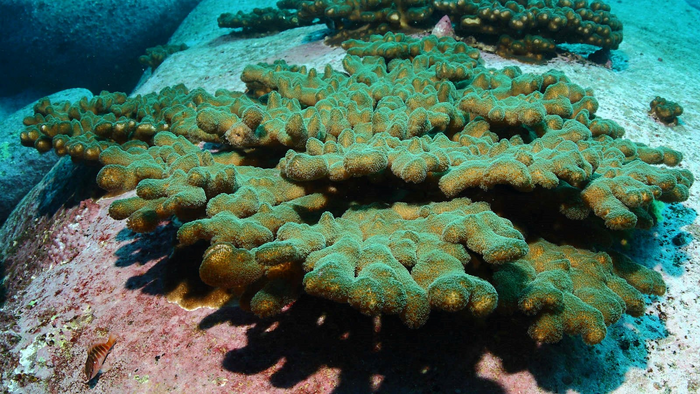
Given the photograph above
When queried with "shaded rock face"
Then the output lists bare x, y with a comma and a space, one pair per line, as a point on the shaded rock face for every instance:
52, 45
694, 3
21, 168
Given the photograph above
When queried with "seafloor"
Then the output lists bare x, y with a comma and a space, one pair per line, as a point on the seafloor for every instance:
83, 275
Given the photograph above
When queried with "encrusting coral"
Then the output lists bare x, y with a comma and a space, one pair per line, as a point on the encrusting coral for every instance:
524, 29
397, 192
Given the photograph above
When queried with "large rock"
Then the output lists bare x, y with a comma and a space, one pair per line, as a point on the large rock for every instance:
694, 3
21, 168
54, 45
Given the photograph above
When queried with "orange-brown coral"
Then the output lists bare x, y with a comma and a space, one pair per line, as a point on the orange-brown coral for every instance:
528, 29
410, 183
573, 291
156, 55
84, 129
665, 111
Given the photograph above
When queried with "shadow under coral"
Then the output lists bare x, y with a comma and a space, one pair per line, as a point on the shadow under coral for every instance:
664, 244
451, 352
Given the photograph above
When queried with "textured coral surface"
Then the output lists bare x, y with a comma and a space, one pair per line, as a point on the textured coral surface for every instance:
667, 112
156, 55
452, 351
525, 29
94, 277
406, 112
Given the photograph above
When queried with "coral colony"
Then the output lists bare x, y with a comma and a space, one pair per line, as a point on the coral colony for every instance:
667, 112
417, 179
523, 29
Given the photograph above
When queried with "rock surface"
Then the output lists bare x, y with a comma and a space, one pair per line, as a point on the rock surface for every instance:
53, 45
23, 168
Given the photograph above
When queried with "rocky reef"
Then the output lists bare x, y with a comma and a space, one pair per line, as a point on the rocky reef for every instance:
418, 179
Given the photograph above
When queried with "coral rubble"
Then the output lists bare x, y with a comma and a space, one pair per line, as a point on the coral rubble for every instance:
408, 183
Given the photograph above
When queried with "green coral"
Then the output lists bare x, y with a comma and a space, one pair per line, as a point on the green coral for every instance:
544, 21
532, 49
665, 111
348, 18
263, 20
86, 128
528, 29
572, 291
416, 180
155, 56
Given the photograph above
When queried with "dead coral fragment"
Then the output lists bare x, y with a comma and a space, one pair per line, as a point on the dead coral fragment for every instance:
443, 28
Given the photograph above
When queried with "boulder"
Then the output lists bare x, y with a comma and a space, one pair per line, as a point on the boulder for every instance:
53, 45
22, 168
